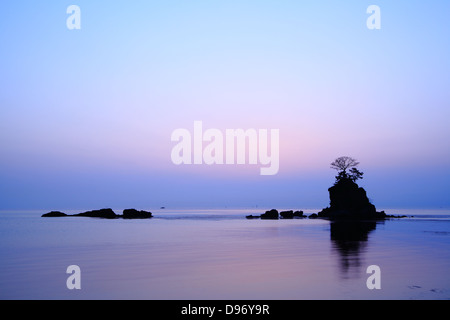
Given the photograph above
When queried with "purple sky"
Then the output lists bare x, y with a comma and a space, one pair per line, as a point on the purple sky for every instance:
86, 115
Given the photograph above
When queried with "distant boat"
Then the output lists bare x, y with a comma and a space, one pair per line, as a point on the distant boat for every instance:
162, 207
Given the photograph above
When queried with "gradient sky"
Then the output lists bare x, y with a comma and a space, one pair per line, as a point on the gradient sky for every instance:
86, 115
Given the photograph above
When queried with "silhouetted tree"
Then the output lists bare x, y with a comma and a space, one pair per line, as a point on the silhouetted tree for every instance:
342, 164
355, 174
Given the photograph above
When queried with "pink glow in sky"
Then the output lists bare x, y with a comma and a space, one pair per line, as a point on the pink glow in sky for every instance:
87, 115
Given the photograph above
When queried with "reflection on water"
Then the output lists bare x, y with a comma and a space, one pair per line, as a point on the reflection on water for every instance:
349, 240
221, 255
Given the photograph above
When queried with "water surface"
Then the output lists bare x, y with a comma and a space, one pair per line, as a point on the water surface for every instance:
218, 254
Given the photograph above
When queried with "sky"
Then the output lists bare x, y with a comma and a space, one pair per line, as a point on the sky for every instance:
87, 115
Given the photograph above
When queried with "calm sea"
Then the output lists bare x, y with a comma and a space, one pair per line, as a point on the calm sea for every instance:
219, 254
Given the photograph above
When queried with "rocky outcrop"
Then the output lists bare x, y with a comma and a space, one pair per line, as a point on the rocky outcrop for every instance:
105, 214
102, 213
270, 215
291, 214
54, 214
135, 214
274, 215
348, 200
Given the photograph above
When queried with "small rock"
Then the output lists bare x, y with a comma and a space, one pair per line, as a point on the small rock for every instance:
102, 213
135, 214
272, 214
299, 214
287, 214
54, 214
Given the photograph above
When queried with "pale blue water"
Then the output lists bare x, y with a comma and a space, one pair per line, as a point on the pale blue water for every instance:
218, 254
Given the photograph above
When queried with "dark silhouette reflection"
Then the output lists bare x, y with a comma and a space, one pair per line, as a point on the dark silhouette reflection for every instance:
349, 239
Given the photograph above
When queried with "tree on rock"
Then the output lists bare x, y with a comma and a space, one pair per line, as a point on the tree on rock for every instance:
342, 164
347, 199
